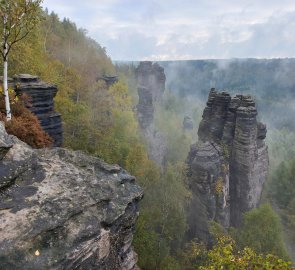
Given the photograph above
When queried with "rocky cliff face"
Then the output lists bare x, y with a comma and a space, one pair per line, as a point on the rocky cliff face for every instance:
150, 87
42, 95
64, 210
228, 165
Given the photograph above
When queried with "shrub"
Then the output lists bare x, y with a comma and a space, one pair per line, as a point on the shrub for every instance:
226, 150
225, 255
24, 124
219, 186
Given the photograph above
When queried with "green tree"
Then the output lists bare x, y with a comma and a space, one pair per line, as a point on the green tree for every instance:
261, 230
162, 220
225, 255
18, 18
283, 183
282, 190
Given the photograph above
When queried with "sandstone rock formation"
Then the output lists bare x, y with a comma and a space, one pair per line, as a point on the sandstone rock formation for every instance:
109, 80
228, 165
150, 87
42, 95
64, 210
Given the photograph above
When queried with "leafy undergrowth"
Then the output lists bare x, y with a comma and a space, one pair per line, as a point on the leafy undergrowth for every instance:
225, 255
24, 124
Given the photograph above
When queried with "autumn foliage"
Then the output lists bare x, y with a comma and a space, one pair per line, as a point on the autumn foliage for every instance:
24, 124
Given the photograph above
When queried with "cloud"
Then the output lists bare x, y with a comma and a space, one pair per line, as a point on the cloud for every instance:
188, 29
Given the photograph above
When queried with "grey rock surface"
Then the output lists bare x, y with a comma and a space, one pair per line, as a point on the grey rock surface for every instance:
64, 210
229, 164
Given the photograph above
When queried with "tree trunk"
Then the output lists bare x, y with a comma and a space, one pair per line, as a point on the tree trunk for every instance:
5, 65
5, 87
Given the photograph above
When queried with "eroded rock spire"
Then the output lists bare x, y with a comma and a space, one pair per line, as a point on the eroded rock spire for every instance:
228, 165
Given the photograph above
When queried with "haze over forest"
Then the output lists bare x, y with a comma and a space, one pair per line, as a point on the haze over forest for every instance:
159, 135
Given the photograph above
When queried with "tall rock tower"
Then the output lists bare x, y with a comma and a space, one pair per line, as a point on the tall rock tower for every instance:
150, 87
228, 165
151, 80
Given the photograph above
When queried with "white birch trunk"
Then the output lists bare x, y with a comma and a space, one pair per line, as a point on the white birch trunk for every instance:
5, 77
5, 89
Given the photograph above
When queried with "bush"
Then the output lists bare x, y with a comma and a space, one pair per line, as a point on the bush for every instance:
225, 255
24, 124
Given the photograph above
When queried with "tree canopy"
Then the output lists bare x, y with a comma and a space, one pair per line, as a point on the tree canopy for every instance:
18, 18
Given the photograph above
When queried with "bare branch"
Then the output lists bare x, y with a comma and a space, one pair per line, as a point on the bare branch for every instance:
19, 39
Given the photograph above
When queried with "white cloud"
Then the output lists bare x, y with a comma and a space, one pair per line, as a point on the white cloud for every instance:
172, 29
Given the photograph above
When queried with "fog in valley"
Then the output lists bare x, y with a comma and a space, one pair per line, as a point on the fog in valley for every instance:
152, 135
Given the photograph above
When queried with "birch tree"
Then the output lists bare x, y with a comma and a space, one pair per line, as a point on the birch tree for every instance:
17, 20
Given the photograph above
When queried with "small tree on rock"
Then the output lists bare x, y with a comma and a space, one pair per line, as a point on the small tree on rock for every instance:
17, 20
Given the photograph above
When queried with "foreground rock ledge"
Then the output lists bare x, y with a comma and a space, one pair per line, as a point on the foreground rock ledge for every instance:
64, 210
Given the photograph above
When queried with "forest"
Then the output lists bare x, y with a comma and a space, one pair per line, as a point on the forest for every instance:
102, 121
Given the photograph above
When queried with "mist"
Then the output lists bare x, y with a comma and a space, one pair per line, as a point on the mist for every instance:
271, 82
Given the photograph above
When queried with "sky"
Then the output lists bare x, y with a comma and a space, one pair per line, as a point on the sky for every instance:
185, 29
